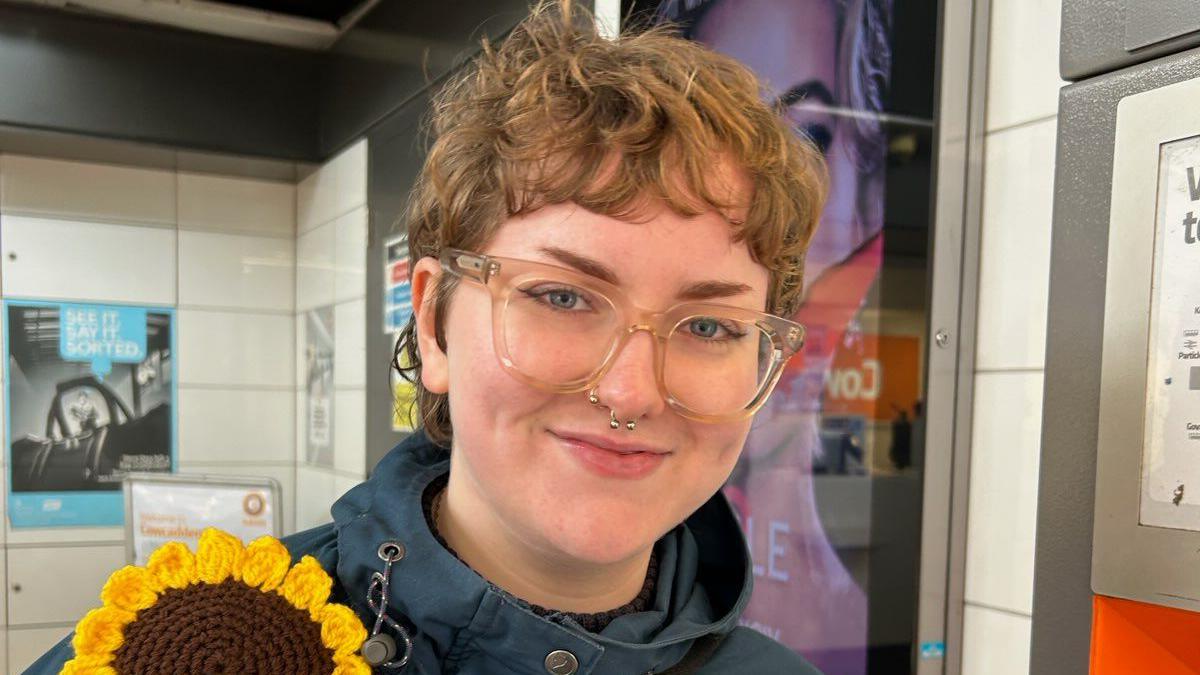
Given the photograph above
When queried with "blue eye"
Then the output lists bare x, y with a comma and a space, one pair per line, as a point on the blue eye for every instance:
705, 328
562, 299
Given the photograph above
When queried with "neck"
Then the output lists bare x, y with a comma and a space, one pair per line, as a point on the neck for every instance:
538, 574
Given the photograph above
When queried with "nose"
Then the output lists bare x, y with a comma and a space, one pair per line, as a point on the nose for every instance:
629, 387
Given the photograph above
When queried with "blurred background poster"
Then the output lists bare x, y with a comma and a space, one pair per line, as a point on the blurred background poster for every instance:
318, 359
90, 397
842, 436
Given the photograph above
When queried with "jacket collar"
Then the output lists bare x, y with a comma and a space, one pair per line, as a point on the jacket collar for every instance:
704, 582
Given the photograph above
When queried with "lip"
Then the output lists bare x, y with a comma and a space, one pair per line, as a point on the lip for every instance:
611, 458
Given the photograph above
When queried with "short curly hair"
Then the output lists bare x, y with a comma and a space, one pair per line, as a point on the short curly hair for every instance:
556, 113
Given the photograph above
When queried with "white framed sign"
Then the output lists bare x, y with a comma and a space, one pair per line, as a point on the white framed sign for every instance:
1171, 450
177, 507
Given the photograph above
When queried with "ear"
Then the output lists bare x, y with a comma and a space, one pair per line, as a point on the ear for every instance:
435, 371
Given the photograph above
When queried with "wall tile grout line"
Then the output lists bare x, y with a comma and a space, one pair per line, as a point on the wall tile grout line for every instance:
1002, 610
1021, 125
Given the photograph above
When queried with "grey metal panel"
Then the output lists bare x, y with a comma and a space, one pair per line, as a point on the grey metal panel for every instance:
1130, 558
395, 52
1149, 22
962, 84
1062, 594
1094, 33
64, 72
396, 152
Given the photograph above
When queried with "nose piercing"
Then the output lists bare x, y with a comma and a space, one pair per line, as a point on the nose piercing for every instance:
630, 425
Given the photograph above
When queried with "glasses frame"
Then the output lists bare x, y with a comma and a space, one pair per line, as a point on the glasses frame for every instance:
501, 276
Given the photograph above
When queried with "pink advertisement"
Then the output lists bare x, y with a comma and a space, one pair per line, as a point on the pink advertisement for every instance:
827, 63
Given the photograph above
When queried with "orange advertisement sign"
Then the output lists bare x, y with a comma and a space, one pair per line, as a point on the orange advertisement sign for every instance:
874, 377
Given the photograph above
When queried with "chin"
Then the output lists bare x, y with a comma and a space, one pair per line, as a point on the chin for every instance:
600, 543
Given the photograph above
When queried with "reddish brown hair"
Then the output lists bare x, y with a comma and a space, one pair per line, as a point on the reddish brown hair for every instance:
538, 118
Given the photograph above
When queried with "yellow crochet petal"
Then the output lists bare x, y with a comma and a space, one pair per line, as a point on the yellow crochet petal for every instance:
307, 586
130, 588
78, 666
218, 556
101, 631
341, 630
265, 563
88, 665
350, 664
172, 566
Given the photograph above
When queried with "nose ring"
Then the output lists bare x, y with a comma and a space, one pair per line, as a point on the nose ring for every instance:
630, 425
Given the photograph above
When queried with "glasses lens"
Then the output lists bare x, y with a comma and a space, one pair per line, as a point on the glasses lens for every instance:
556, 331
716, 365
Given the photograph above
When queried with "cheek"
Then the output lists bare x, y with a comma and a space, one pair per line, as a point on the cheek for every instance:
491, 412
716, 449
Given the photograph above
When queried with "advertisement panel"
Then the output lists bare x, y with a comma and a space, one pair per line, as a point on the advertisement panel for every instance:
90, 397
826, 65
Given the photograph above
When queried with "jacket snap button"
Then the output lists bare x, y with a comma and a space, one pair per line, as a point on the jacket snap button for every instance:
561, 662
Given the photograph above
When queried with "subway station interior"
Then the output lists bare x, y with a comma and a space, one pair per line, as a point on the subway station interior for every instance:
978, 462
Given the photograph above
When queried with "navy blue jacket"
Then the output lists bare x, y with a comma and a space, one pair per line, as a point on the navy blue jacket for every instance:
466, 625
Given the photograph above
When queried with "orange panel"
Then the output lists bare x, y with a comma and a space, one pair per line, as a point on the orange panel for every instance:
1130, 638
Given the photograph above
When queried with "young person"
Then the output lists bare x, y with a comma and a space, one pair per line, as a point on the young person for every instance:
604, 238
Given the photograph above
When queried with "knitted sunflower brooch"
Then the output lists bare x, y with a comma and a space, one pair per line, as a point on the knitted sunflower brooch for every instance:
227, 609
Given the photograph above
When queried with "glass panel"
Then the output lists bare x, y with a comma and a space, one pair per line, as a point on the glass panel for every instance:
829, 486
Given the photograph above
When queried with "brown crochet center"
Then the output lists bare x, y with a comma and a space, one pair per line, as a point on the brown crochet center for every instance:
222, 629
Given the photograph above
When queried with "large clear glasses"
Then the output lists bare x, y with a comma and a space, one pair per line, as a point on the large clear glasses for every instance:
560, 330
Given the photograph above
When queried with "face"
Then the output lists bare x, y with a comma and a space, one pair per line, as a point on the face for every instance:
793, 46
531, 457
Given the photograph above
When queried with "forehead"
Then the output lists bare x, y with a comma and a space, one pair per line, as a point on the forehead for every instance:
652, 256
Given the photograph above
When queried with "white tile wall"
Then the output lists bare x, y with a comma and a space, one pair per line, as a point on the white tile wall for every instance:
996, 643
1023, 88
1002, 515
71, 576
79, 260
232, 270
1015, 252
331, 263
339, 186
227, 204
349, 431
1023, 79
350, 339
26, 645
350, 255
315, 269
316, 490
235, 425
51, 187
234, 348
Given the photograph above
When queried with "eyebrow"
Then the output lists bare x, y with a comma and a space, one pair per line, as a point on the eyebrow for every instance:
700, 290
812, 89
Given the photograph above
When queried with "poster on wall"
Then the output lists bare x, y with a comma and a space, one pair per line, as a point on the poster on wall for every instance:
397, 309
318, 412
90, 396
826, 65
1170, 472
397, 292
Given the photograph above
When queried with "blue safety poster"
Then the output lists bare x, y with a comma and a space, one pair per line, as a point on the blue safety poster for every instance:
397, 292
89, 396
